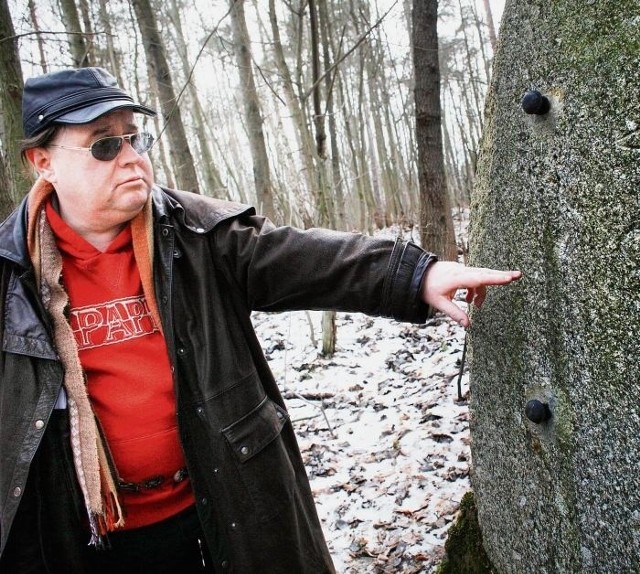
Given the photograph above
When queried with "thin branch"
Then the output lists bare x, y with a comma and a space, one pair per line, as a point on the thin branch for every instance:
266, 80
51, 32
333, 78
188, 80
347, 53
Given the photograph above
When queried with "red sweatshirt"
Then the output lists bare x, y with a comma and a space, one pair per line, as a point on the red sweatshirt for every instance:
125, 360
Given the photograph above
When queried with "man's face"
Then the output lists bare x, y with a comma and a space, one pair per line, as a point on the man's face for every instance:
97, 196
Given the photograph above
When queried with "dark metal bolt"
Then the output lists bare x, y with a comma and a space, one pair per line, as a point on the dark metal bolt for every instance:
533, 102
537, 411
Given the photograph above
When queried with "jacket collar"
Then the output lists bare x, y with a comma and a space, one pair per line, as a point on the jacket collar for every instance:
198, 213
13, 236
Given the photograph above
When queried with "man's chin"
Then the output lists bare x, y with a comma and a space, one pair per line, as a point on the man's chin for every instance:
134, 200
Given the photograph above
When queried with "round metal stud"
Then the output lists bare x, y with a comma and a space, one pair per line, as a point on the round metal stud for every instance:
537, 411
533, 102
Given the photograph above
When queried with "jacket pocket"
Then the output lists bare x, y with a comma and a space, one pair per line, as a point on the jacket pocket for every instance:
262, 458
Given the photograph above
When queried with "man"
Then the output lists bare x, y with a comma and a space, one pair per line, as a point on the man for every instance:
140, 427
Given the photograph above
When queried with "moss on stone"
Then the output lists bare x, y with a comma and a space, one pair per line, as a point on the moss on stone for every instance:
464, 549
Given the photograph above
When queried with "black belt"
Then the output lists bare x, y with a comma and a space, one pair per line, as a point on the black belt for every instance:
153, 482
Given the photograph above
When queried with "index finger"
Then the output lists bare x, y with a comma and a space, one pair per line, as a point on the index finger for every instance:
478, 276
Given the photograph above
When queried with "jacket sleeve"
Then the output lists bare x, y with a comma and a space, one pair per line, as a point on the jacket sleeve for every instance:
284, 268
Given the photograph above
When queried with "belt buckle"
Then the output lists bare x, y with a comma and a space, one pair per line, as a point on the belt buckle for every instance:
128, 486
152, 482
180, 475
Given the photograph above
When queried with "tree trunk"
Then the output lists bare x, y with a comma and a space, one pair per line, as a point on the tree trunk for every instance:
490, 24
36, 27
324, 210
474, 107
557, 197
302, 133
337, 193
210, 173
16, 182
373, 205
357, 171
378, 146
261, 171
484, 58
6, 201
79, 49
324, 203
89, 36
395, 162
436, 222
182, 159
111, 55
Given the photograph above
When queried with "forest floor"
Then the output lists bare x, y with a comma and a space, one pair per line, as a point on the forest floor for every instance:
383, 434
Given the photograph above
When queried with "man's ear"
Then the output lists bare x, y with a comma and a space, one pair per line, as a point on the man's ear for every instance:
40, 159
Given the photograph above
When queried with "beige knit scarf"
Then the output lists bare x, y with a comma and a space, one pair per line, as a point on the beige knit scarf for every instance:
96, 473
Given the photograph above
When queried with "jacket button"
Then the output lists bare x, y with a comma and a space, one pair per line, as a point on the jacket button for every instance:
203, 501
165, 232
39, 424
17, 491
280, 415
224, 564
234, 525
182, 351
244, 450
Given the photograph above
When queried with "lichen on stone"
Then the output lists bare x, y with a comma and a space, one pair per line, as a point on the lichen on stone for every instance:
464, 550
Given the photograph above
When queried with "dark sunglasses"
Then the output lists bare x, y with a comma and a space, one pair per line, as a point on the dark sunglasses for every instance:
107, 149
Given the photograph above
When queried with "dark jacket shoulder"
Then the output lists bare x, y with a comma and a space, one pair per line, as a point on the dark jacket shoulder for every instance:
197, 212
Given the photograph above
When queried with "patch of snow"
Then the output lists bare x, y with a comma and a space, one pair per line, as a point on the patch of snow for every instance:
382, 433
384, 437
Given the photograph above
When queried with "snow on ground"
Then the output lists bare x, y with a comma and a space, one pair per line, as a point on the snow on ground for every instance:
383, 435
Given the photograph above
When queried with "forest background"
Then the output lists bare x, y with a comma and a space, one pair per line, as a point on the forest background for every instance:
304, 108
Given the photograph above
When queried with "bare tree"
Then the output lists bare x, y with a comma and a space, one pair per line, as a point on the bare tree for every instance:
261, 171
89, 32
337, 193
36, 27
155, 51
14, 181
325, 212
211, 175
301, 129
436, 223
79, 48
111, 55
490, 24
324, 207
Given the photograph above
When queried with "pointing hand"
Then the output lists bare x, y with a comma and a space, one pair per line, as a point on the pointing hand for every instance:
444, 278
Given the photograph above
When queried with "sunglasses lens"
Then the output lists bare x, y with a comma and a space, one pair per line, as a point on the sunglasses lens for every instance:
142, 142
107, 149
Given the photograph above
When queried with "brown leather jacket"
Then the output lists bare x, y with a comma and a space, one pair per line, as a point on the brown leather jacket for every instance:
215, 262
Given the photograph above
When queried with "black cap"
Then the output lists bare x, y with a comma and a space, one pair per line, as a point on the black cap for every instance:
75, 96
